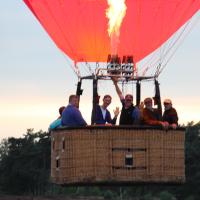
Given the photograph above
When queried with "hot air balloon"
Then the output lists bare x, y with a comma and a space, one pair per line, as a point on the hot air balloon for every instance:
110, 38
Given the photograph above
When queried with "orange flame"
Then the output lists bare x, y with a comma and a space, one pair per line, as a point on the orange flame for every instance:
115, 13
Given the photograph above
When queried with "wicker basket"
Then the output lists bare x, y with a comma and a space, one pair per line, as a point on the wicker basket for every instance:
117, 155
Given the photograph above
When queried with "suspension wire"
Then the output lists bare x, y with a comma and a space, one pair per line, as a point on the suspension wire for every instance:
171, 44
75, 70
166, 45
176, 40
89, 67
84, 68
165, 50
180, 41
151, 61
158, 70
145, 66
97, 66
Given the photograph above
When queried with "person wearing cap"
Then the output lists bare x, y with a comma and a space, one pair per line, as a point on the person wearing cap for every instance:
130, 114
170, 115
103, 115
151, 115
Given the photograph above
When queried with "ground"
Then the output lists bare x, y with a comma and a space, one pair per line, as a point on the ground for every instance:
47, 198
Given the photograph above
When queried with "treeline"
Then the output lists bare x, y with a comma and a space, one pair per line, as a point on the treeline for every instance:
25, 170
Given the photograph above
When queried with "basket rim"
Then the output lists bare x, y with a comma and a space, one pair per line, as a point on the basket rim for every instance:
132, 127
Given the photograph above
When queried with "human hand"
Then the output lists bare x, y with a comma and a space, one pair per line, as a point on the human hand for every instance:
116, 111
174, 126
141, 106
108, 124
165, 125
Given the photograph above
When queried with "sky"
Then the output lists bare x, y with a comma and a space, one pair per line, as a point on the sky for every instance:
36, 79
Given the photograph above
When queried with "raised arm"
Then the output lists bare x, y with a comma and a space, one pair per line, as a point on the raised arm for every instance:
119, 92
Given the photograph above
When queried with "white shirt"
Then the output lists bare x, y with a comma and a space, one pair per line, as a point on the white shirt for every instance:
103, 112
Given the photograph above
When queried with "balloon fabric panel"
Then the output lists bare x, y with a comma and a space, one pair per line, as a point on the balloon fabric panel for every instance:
79, 27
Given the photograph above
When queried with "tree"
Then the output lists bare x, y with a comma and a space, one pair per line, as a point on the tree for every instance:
25, 163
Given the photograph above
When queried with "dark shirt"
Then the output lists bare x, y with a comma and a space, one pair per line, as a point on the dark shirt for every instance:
170, 116
129, 116
71, 116
99, 117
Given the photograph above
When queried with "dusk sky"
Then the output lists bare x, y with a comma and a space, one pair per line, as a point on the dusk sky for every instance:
36, 79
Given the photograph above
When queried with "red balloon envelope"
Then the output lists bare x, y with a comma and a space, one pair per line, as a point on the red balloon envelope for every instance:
79, 27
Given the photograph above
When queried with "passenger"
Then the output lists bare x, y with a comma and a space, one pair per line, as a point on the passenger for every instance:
151, 115
141, 108
170, 115
71, 115
61, 109
57, 123
102, 113
130, 114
